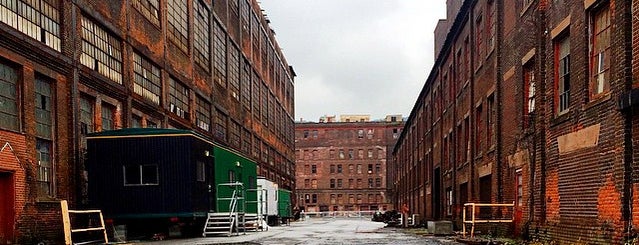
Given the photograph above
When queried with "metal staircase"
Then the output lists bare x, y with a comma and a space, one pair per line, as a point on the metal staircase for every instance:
226, 221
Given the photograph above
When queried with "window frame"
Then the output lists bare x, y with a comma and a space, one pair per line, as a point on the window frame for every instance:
597, 71
562, 81
141, 175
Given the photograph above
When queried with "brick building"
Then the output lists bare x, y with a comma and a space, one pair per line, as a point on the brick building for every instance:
341, 166
529, 102
68, 68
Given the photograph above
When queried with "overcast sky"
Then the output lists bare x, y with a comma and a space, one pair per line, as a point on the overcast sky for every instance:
356, 56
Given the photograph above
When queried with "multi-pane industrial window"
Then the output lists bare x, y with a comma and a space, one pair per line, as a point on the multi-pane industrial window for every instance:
234, 134
100, 51
45, 166
38, 19
246, 84
490, 120
219, 54
140, 175
86, 115
44, 127
201, 42
562, 74
256, 96
178, 98
150, 9
203, 114
220, 125
146, 82
178, 19
108, 113
8, 98
246, 141
136, 121
478, 40
265, 105
255, 27
234, 72
600, 51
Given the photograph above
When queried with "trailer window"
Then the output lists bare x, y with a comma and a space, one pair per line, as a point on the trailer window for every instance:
201, 176
140, 175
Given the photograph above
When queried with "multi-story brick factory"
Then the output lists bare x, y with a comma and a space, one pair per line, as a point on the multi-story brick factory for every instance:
68, 68
531, 103
341, 166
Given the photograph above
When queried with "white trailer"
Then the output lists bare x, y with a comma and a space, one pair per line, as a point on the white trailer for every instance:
267, 199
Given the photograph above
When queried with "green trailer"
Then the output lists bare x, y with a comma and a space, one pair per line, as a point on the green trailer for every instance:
284, 208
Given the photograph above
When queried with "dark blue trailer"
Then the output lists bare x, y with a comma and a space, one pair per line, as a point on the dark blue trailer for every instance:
151, 179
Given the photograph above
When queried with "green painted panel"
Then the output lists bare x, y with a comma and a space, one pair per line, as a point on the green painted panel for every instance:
284, 203
232, 167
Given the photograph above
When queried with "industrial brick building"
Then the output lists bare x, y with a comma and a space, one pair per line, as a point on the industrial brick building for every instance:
533, 103
341, 166
68, 68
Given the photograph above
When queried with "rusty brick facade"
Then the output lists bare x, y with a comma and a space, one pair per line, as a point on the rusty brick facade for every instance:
538, 111
75, 67
342, 166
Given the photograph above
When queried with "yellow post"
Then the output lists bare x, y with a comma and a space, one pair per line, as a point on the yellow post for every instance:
66, 222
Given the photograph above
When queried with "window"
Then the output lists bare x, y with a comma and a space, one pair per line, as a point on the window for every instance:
339, 168
314, 196
146, 81
478, 127
307, 198
378, 168
529, 93
370, 153
150, 9
600, 51
332, 183
234, 72
203, 114
378, 182
314, 183
219, 54
478, 40
307, 183
370, 168
201, 29
490, 120
140, 175
43, 108
562, 74
332, 168
200, 171
246, 84
234, 136
8, 94
246, 141
359, 183
86, 115
178, 98
360, 133
520, 189
339, 183
449, 201
136, 121
255, 93
341, 154
45, 166
265, 104
370, 182
178, 27
108, 115
101, 52
351, 183
350, 154
313, 169
220, 125
333, 198
359, 168
490, 24
38, 19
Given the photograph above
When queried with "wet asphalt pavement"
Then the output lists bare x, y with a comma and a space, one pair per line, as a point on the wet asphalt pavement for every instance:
316, 231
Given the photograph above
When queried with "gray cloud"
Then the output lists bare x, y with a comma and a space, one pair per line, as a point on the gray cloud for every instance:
356, 56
